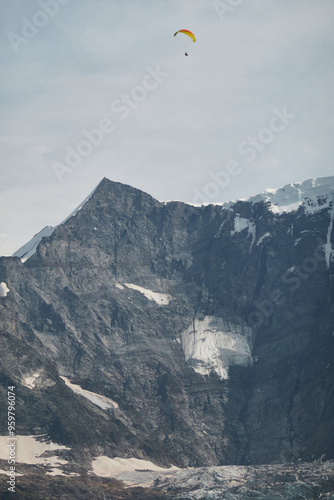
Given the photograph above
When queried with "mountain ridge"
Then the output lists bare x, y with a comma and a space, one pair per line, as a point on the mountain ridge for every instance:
275, 197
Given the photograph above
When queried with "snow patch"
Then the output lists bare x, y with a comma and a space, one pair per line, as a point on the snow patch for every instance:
113, 467
99, 400
30, 450
220, 230
118, 285
214, 345
30, 381
37, 380
162, 299
57, 472
29, 248
259, 241
240, 223
280, 209
3, 289
328, 245
6, 472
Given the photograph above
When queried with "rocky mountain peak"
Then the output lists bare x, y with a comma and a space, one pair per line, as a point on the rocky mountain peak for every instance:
177, 334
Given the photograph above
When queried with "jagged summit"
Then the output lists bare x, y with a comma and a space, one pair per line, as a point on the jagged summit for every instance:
106, 193
113, 189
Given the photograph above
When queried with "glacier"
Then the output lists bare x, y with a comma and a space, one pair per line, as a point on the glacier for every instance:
213, 344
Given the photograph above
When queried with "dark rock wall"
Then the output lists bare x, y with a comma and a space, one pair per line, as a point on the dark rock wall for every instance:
67, 314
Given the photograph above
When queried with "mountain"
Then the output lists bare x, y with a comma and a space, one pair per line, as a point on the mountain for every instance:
192, 336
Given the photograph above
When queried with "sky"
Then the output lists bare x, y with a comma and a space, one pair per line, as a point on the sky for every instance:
93, 89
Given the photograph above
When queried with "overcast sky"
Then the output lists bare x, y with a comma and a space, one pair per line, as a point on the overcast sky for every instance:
102, 88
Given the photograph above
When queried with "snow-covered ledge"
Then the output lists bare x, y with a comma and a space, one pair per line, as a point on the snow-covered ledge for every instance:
213, 344
3, 289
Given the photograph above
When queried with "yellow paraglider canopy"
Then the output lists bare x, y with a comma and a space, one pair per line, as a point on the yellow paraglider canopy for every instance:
187, 32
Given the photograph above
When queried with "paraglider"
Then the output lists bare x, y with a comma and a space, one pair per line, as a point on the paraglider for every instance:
188, 33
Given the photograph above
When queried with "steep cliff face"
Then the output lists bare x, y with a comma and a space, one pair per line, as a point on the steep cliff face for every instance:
209, 329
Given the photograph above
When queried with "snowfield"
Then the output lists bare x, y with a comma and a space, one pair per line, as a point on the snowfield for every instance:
113, 467
31, 450
313, 194
240, 223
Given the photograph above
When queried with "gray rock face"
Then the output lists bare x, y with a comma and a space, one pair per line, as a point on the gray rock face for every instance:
210, 328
